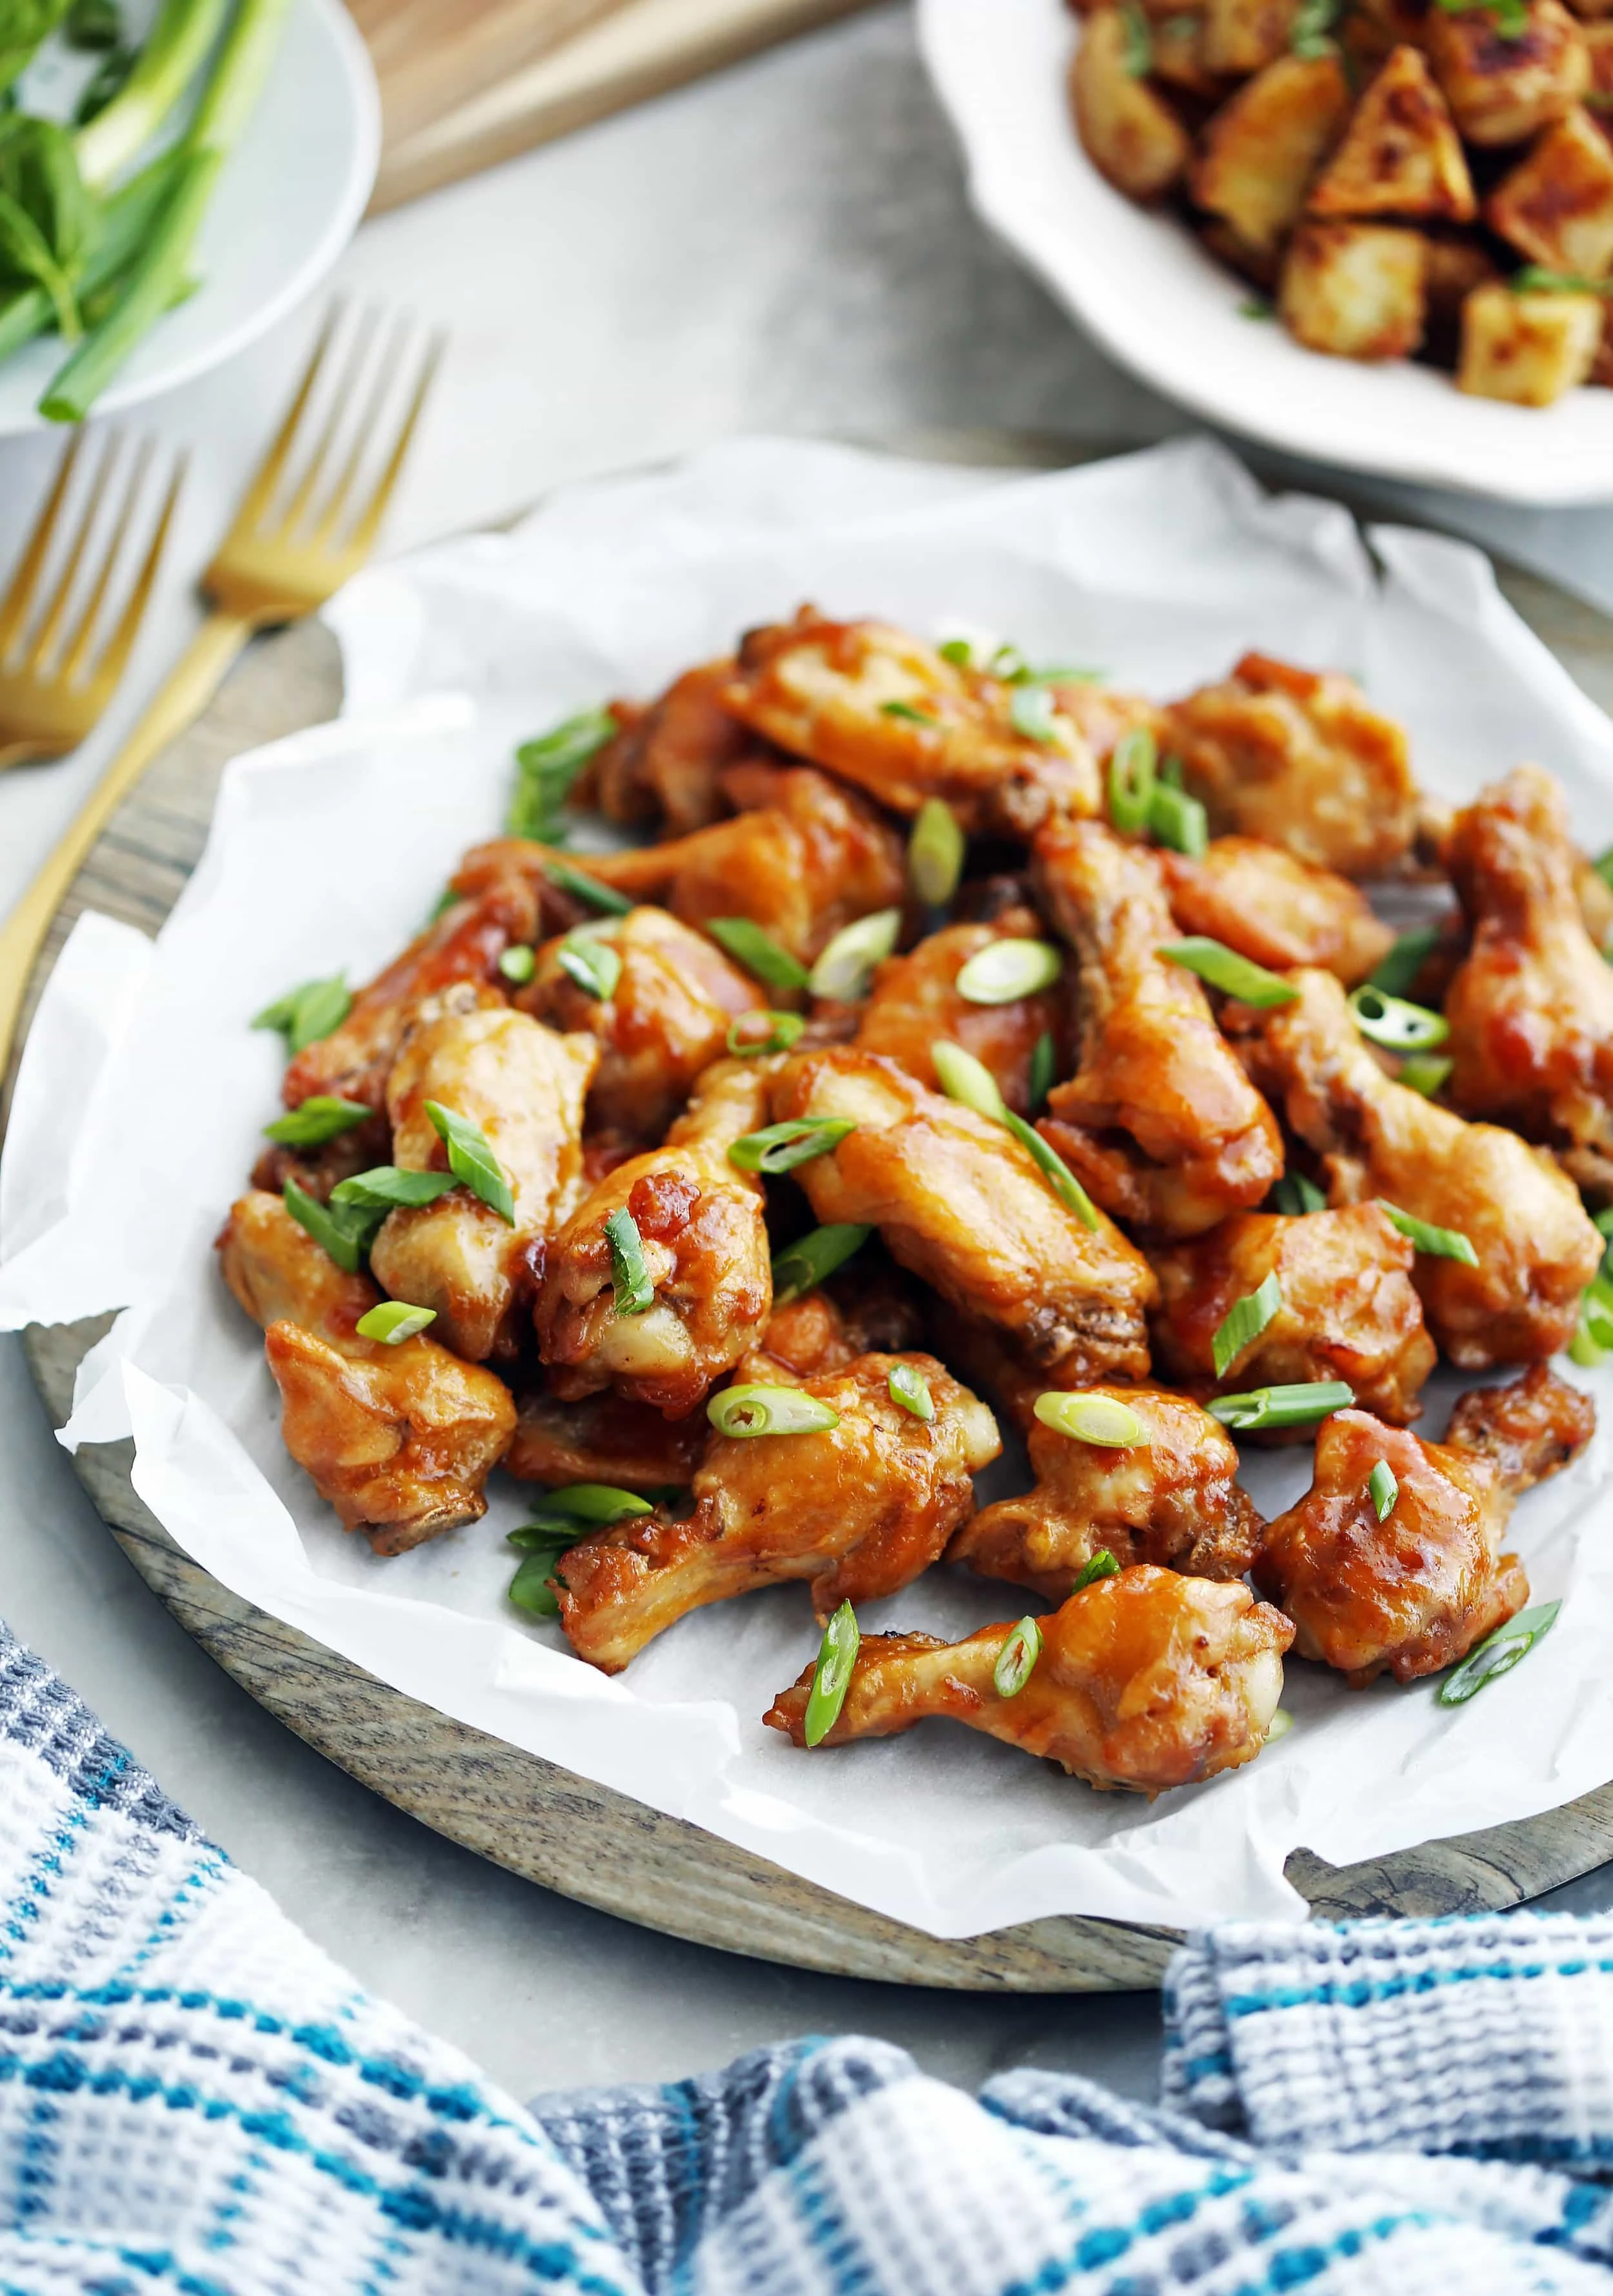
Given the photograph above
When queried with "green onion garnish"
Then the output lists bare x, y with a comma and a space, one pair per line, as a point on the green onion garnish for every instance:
1133, 764
1280, 1724
305, 1016
388, 1188
805, 1264
1234, 975
1594, 1335
1438, 1243
1296, 1195
1383, 1490
446, 899
518, 964
393, 1322
1395, 1025
1099, 1564
317, 1119
959, 651
471, 1159
781, 1032
589, 1503
757, 951
1243, 1321
1170, 771
1498, 1654
1604, 867
1138, 52
1009, 665
634, 1291
846, 965
342, 1239
592, 963
546, 769
905, 710
780, 1147
1178, 820
1425, 1072
529, 1589
832, 1675
1406, 961
1281, 1406
745, 1411
583, 888
1101, 1419
911, 1389
1044, 1067
1033, 713
936, 852
970, 1083
1017, 1659
1007, 969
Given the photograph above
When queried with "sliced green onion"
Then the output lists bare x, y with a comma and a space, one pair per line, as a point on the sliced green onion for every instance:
1425, 1073
1438, 1243
970, 1083
387, 1188
959, 651
1033, 713
1059, 1177
1280, 1724
1170, 771
1498, 1654
1281, 1406
1009, 665
634, 1291
592, 963
1138, 53
1101, 1419
832, 1675
341, 1239
446, 899
782, 1030
846, 965
757, 951
1296, 1195
1602, 1221
1099, 1564
745, 1411
306, 1016
1243, 1321
806, 1263
1004, 971
798, 1140
936, 852
911, 1389
546, 770
584, 888
1383, 1490
321, 1117
1604, 867
1593, 1339
518, 964
1234, 975
1406, 961
529, 1589
393, 1322
1017, 1659
471, 1160
1044, 1067
1178, 820
906, 710
1133, 762
592, 1503
1395, 1025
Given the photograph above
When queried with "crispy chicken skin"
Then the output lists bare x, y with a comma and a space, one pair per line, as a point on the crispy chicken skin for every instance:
705, 1249
603, 1440
825, 1329
1174, 1499
1274, 909
1405, 1596
962, 1205
666, 766
883, 710
1145, 1681
1531, 1010
915, 1004
1159, 1121
1349, 1311
1536, 1246
856, 1511
399, 1440
1529, 1430
1297, 758
523, 1086
666, 1019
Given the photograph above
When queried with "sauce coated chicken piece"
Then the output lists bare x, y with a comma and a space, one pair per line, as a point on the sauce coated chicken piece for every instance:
1298, 759
915, 1002
1536, 1247
667, 1018
881, 708
855, 1511
1350, 1309
399, 1440
1274, 909
1529, 1430
666, 766
603, 1440
870, 1312
705, 1250
1159, 1122
962, 1205
1145, 1681
523, 1086
1174, 1499
1531, 1010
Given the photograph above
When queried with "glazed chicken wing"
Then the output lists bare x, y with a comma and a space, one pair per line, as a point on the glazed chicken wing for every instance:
401, 1440
915, 1002
1529, 1430
1298, 759
1349, 1310
962, 1205
884, 710
1174, 1499
666, 766
1145, 1681
1275, 909
855, 1510
1159, 1121
1536, 1247
871, 1311
705, 1250
603, 1440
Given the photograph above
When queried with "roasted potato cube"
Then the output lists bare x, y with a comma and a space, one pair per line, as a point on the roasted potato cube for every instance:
1500, 90
1556, 206
1353, 289
1243, 36
1261, 148
1129, 132
1401, 155
1261, 265
1528, 349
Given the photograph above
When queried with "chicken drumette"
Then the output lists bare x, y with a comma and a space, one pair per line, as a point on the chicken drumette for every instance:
855, 1511
1275, 909
915, 1004
1147, 1680
666, 764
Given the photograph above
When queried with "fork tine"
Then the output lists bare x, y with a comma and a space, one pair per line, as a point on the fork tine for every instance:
19, 597
78, 645
364, 533
109, 670
368, 424
257, 498
345, 391
56, 611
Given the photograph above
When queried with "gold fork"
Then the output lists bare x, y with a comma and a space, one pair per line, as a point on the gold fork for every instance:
281, 560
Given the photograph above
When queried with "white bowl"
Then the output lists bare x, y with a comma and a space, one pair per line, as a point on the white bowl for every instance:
1142, 286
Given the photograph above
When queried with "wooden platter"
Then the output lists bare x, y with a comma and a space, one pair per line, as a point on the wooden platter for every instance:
526, 1814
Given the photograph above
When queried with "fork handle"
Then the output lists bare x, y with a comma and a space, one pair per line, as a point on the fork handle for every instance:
194, 680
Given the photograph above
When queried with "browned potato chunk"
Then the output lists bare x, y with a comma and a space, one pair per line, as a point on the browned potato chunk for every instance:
1243, 36
1129, 132
1401, 155
1261, 148
1556, 206
1262, 265
1353, 289
1528, 349
1500, 90
1451, 268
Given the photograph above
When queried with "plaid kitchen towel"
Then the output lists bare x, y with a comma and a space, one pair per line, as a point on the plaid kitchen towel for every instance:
193, 2099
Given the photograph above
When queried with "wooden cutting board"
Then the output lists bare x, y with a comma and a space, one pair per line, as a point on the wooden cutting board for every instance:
468, 83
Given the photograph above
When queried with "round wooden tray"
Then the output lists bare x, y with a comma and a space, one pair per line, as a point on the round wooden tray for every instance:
524, 1813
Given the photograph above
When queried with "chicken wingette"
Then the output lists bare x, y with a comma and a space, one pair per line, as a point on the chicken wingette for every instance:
915, 1001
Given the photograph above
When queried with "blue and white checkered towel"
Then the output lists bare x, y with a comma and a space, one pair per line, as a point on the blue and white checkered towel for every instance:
193, 2099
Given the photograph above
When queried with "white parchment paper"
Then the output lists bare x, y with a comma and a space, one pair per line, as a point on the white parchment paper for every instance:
142, 1095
